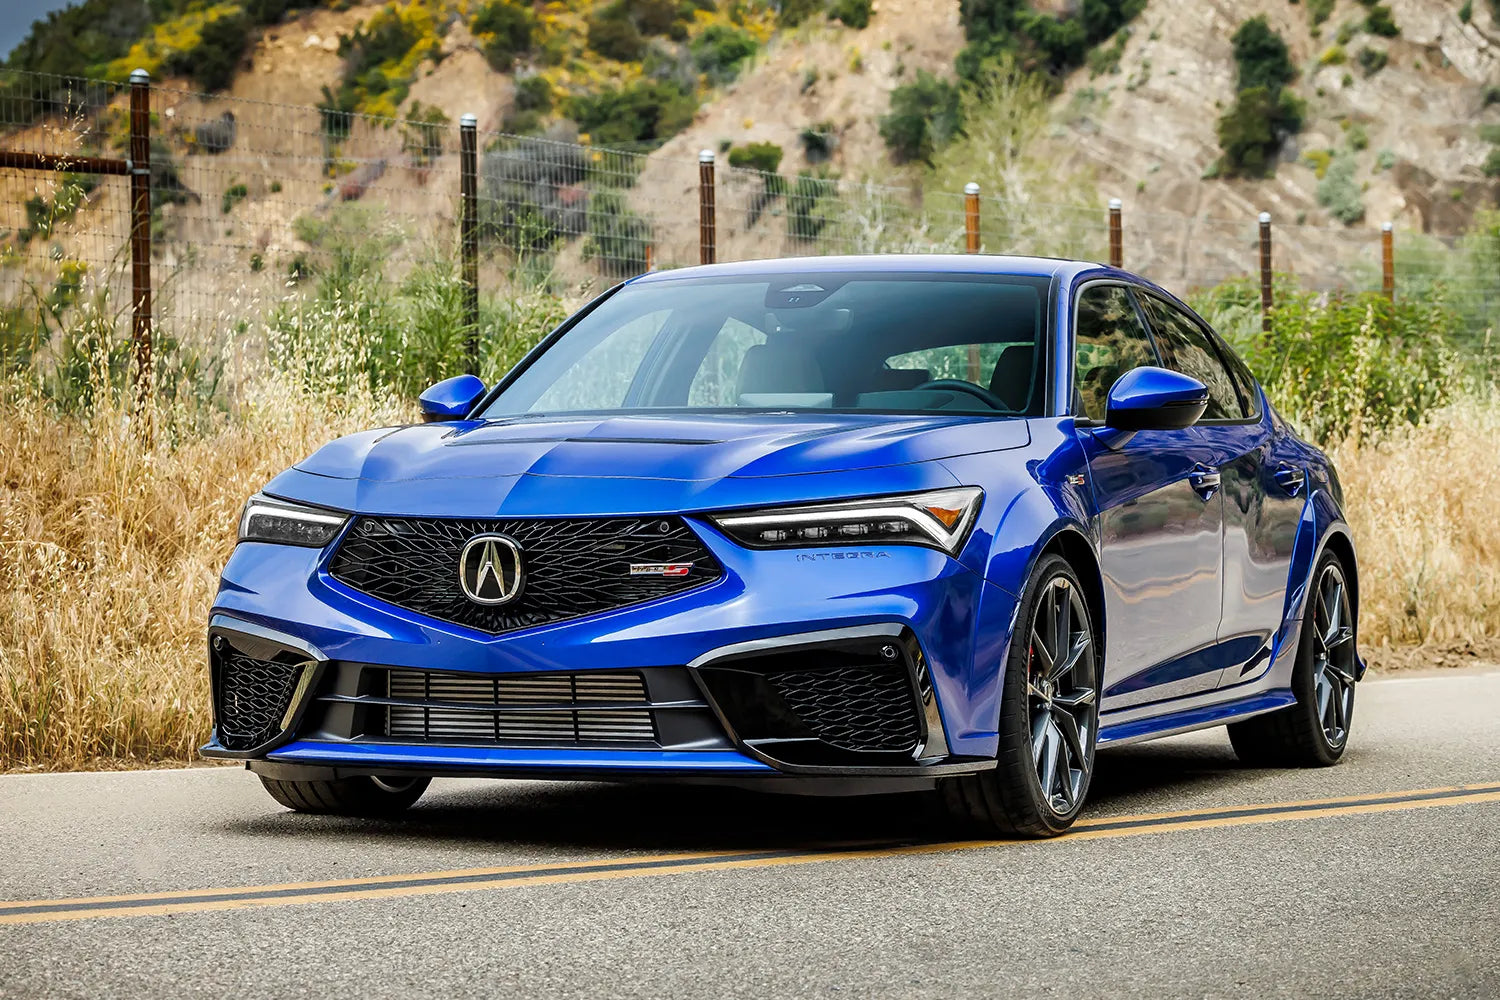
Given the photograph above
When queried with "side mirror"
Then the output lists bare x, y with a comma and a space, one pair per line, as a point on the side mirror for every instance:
451, 399
1155, 399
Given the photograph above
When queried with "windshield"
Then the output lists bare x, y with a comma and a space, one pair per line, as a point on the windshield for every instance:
914, 343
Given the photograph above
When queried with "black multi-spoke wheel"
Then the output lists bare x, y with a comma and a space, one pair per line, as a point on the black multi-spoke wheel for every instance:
1314, 731
1049, 716
1062, 697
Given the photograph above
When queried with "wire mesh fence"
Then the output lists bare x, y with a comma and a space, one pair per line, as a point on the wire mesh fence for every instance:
257, 209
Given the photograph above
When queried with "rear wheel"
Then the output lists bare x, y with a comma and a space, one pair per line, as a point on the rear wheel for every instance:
357, 796
1049, 717
1314, 731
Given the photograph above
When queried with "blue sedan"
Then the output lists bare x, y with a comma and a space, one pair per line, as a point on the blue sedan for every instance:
842, 525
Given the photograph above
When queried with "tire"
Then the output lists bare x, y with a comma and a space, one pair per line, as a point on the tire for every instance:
1040, 692
1314, 732
357, 796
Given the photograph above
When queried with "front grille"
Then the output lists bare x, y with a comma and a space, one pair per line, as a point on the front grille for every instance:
855, 706
253, 698
567, 708
573, 567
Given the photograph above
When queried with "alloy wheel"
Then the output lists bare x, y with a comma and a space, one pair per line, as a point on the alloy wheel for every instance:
1061, 689
1333, 655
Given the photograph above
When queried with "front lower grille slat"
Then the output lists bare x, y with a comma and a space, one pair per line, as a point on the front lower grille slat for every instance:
854, 706
495, 708
572, 566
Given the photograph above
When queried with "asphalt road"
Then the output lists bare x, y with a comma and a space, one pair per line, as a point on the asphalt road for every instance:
512, 889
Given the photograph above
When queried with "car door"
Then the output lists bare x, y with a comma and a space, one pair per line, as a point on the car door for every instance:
1159, 520
1262, 495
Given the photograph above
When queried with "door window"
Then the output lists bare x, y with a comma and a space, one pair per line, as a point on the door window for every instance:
1185, 348
1111, 340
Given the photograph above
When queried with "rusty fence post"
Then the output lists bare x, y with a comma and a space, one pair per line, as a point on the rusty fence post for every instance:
1265, 271
1116, 233
971, 217
650, 257
707, 253
468, 232
140, 234
1388, 260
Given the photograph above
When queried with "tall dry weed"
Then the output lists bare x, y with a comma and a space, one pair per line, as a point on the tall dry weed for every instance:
1421, 502
109, 557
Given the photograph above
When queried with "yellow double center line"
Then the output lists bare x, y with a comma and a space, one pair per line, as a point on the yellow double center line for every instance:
601, 869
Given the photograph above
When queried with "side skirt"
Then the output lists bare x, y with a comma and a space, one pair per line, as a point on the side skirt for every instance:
1186, 721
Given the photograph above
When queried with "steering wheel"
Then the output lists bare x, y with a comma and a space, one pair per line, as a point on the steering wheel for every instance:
959, 385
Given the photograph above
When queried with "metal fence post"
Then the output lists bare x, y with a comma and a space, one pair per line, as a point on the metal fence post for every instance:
1116, 233
1388, 260
1265, 271
707, 252
468, 232
971, 217
140, 233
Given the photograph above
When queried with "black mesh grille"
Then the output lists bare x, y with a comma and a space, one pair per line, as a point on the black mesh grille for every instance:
855, 706
253, 696
572, 567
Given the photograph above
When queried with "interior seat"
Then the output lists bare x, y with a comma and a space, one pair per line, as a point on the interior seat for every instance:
1012, 380
780, 368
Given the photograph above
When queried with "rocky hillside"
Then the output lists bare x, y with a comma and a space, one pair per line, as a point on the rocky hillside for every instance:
1401, 100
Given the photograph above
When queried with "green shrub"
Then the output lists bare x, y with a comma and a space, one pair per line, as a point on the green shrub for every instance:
762, 156
1261, 56
854, 13
1339, 193
613, 34
794, 12
925, 116
1466, 12
643, 111
720, 51
1318, 11
504, 28
233, 195
213, 62
1380, 22
1252, 130
1053, 43
1372, 61
532, 102
1385, 159
1491, 166
1490, 133
810, 204
818, 142
422, 133
617, 237
1359, 139
1347, 362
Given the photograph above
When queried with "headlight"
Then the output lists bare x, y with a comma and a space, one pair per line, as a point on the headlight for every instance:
940, 520
267, 520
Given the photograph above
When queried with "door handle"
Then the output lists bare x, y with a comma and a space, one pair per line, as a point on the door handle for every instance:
1290, 478
1204, 480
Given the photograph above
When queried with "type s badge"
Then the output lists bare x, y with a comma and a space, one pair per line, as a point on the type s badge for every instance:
661, 569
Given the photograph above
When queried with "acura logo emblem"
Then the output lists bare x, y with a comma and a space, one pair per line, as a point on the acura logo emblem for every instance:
489, 569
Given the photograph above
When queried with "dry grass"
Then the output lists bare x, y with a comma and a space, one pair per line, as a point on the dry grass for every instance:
109, 555
1421, 502
109, 558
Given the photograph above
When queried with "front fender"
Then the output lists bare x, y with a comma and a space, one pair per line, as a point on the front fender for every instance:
1322, 524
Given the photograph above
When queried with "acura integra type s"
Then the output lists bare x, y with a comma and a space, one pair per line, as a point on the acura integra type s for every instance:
837, 525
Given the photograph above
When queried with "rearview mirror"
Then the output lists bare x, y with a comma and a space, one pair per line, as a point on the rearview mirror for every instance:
1155, 399
451, 399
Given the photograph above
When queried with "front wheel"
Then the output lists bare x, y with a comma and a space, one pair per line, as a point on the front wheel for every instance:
1049, 716
1314, 731
357, 796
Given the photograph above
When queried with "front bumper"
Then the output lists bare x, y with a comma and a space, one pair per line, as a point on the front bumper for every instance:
707, 657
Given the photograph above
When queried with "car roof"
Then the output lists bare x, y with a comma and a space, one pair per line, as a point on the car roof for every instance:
949, 263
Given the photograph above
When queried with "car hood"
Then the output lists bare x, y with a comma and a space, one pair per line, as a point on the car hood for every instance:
637, 462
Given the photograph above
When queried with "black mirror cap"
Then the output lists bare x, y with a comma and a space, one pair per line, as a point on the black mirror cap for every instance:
1167, 417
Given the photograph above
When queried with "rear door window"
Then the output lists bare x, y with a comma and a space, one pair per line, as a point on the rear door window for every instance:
1186, 348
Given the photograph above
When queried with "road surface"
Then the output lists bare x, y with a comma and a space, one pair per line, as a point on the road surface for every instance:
194, 883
